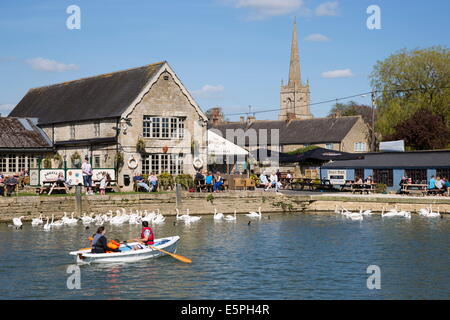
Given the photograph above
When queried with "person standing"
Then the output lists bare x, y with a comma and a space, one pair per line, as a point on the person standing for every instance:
87, 175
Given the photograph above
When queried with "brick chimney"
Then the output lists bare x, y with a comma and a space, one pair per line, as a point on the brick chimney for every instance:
216, 116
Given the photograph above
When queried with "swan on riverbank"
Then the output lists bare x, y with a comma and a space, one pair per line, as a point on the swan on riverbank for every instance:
37, 221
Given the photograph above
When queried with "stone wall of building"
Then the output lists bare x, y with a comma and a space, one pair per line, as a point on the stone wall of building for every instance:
359, 133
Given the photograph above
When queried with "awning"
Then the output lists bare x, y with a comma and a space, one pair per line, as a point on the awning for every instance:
220, 146
322, 154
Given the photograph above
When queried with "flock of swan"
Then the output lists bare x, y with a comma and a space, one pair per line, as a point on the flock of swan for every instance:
394, 212
121, 217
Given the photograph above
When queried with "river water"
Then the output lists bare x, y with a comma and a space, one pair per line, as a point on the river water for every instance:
289, 256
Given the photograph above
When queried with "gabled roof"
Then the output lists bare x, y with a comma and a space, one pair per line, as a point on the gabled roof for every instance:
399, 160
22, 133
319, 130
99, 97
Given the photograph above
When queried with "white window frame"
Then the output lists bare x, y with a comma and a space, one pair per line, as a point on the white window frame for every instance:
162, 162
164, 128
360, 146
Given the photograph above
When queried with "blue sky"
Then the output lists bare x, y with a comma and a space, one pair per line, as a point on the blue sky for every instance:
228, 53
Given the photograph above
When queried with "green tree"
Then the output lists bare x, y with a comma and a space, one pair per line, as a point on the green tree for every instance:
408, 81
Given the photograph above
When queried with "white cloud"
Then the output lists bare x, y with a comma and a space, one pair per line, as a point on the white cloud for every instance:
327, 9
344, 73
6, 108
208, 91
317, 37
261, 9
42, 64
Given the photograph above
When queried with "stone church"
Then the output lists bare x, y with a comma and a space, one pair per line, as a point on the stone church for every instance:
294, 97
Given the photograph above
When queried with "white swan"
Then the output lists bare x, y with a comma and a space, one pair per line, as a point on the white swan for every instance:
18, 221
429, 213
47, 226
253, 214
159, 218
217, 215
365, 212
230, 217
395, 213
183, 217
71, 221
37, 221
191, 218
57, 223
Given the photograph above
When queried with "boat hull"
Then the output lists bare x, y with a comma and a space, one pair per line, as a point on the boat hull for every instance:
168, 244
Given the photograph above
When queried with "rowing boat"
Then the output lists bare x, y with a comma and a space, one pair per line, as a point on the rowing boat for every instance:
127, 252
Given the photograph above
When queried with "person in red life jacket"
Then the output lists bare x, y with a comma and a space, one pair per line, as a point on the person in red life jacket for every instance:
147, 236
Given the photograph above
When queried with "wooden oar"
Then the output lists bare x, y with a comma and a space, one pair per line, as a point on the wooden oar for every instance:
173, 255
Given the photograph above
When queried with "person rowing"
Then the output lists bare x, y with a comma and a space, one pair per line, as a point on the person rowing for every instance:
147, 235
101, 245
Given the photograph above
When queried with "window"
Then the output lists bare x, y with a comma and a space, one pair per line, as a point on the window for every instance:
359, 173
2, 163
329, 146
97, 163
97, 129
12, 163
72, 132
163, 127
384, 176
360, 146
22, 161
417, 175
159, 163
443, 173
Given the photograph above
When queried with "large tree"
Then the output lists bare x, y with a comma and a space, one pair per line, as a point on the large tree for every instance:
409, 81
422, 131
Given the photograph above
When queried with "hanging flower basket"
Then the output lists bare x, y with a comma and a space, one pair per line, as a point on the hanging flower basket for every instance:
165, 149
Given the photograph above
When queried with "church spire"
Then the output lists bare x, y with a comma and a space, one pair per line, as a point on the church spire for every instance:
294, 68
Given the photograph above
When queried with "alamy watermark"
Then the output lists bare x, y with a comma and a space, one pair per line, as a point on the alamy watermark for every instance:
74, 280
374, 20
74, 20
374, 280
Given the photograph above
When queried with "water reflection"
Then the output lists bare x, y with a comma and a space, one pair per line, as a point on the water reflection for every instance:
289, 256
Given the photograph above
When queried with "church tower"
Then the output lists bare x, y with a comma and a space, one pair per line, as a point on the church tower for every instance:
294, 97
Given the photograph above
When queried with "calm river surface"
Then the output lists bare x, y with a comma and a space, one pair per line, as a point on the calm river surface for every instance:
289, 256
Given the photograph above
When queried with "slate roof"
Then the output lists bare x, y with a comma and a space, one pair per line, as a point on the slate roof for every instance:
99, 97
22, 133
319, 130
396, 160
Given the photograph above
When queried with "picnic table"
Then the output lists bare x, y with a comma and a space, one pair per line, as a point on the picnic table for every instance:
111, 185
414, 188
362, 187
50, 185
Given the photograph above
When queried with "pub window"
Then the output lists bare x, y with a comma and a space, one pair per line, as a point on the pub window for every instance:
97, 163
12, 163
2, 163
416, 175
383, 176
359, 173
163, 127
22, 162
159, 163
329, 146
31, 162
443, 173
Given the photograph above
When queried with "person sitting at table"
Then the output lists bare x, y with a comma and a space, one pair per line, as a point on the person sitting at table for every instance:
60, 180
438, 183
369, 180
218, 182
10, 183
273, 179
263, 180
199, 179
359, 180
209, 181
432, 184
139, 180
153, 181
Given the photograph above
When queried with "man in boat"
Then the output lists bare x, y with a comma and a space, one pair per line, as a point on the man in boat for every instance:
101, 245
147, 235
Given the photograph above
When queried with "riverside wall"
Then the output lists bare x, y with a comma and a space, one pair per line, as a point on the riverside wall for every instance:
241, 201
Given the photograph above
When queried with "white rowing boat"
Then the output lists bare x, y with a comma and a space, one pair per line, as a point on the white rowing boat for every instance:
127, 252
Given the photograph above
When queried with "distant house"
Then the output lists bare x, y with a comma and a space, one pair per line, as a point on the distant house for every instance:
348, 134
104, 117
21, 143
